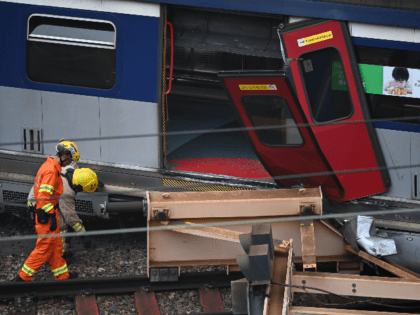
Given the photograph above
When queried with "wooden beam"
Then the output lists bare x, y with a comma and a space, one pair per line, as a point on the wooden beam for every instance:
332, 258
355, 285
391, 267
307, 234
282, 265
414, 274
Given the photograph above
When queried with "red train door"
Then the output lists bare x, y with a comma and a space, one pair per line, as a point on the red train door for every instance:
330, 100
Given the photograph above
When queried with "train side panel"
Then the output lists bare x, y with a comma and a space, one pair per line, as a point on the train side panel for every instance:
129, 107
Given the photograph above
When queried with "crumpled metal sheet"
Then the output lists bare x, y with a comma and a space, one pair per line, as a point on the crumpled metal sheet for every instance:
374, 245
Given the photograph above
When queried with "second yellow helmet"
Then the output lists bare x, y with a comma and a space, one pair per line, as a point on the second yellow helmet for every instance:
86, 178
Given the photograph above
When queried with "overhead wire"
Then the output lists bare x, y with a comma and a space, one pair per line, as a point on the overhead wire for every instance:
230, 223
18, 202
237, 129
222, 130
238, 221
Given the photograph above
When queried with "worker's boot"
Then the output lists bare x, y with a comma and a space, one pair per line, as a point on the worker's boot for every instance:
18, 279
68, 254
73, 275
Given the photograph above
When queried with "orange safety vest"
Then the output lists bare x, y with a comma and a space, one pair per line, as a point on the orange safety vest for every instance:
48, 185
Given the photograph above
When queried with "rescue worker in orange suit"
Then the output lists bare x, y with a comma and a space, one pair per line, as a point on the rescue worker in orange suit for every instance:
75, 180
48, 187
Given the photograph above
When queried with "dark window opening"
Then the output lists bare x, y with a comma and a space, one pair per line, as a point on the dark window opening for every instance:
272, 110
73, 52
193, 63
328, 99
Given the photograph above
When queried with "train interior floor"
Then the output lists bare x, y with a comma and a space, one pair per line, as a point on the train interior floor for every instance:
223, 153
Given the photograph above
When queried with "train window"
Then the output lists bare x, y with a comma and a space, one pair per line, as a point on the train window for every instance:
71, 51
328, 99
377, 66
272, 110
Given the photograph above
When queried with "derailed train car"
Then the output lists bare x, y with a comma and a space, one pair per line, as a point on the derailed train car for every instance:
113, 77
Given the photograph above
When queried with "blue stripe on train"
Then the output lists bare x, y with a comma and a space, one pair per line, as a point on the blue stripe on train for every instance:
137, 60
397, 126
370, 42
309, 8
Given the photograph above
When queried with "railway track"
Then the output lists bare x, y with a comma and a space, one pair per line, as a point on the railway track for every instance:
85, 291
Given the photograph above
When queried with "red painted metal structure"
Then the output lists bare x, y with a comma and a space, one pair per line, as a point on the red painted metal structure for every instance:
283, 160
346, 146
339, 146
172, 58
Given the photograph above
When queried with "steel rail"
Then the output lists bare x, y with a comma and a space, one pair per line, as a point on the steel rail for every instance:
108, 285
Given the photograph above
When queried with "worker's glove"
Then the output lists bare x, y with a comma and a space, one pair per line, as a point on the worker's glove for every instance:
53, 222
42, 216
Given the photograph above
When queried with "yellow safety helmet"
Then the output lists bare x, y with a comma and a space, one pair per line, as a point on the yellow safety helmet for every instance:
86, 178
70, 148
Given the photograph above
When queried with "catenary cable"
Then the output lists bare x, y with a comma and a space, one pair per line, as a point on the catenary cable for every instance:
213, 224
223, 130
192, 185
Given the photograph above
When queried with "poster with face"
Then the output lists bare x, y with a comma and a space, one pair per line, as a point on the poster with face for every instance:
392, 81
398, 81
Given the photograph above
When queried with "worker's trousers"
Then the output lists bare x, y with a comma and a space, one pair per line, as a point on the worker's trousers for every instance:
46, 250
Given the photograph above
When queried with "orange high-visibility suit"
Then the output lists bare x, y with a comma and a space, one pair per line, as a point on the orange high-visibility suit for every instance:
48, 187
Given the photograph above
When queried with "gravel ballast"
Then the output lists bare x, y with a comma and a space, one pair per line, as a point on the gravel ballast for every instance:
106, 256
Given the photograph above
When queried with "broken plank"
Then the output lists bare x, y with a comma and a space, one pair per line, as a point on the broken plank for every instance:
392, 268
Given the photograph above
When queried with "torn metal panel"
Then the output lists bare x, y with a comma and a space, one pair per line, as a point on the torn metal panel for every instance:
366, 237
361, 232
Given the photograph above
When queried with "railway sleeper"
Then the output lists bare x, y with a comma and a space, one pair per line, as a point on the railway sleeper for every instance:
145, 303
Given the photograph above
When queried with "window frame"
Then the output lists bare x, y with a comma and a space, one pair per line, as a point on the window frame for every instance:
301, 72
61, 40
302, 143
70, 89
